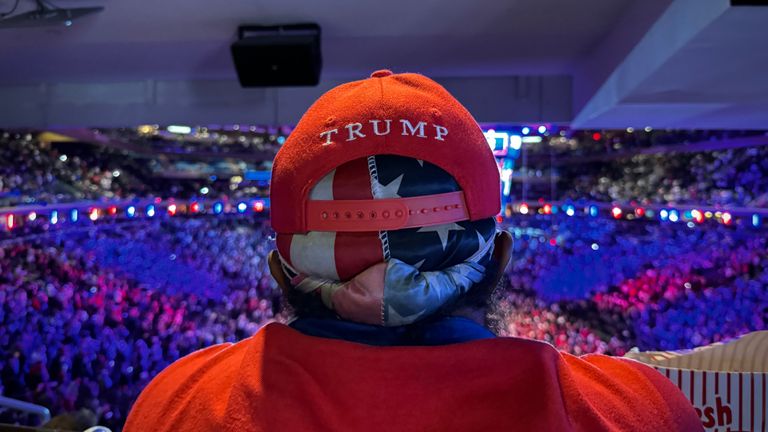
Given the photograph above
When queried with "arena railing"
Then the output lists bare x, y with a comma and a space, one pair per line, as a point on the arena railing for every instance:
660, 212
84, 211
12, 218
26, 407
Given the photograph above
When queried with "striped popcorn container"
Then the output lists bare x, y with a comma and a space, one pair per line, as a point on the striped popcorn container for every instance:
726, 383
725, 401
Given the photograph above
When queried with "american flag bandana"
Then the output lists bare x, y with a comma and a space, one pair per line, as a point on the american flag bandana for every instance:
387, 278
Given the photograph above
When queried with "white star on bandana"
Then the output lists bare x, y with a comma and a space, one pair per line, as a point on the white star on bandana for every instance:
390, 190
395, 318
442, 231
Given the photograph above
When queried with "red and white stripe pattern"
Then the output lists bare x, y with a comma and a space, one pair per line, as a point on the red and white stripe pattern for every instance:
727, 383
725, 401
327, 254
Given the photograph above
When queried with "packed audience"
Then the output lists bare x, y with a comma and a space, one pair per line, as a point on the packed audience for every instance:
87, 323
203, 140
89, 313
90, 317
646, 283
570, 143
737, 177
35, 171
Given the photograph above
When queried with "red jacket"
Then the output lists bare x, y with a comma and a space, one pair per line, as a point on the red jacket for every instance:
282, 380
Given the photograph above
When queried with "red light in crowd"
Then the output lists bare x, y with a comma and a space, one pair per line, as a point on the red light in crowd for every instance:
727, 218
10, 222
112, 211
553, 242
258, 206
639, 212
158, 200
172, 209
547, 209
499, 219
616, 212
596, 136
194, 207
698, 216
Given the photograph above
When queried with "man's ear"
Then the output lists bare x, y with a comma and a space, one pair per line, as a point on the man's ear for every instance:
276, 268
502, 252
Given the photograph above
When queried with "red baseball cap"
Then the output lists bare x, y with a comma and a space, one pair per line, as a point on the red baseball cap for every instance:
397, 114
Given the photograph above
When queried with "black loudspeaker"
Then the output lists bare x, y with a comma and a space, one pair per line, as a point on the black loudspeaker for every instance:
278, 56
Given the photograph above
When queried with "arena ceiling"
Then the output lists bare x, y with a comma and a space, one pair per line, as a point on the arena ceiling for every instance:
189, 39
509, 60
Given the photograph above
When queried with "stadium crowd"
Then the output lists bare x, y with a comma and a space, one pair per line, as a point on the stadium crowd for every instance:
737, 177
89, 317
36, 171
90, 313
87, 323
569, 143
214, 140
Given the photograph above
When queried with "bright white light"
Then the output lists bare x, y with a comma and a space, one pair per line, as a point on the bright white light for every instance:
595, 246
524, 209
526, 130
690, 224
542, 129
532, 139
648, 129
696, 214
630, 130
516, 141
506, 179
674, 216
63, 158
204, 190
179, 129
493, 137
116, 173
570, 211
32, 216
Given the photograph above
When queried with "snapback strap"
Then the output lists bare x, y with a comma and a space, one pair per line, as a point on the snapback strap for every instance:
385, 214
